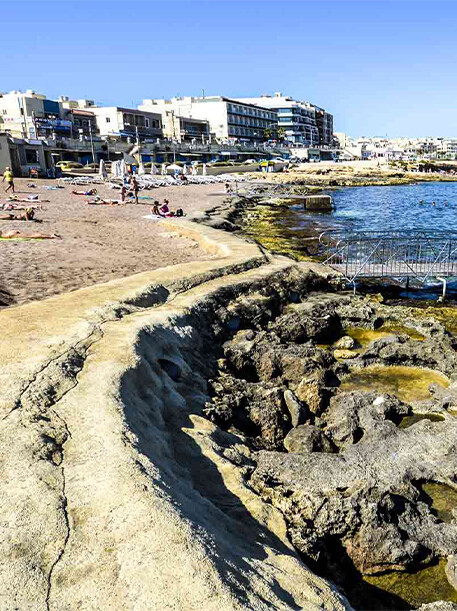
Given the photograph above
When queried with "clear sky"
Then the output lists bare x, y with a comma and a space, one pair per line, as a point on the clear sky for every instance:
379, 67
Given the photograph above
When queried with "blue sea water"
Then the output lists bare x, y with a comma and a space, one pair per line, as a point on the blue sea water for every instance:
395, 207
388, 208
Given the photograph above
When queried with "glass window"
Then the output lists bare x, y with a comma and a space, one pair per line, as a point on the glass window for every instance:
31, 156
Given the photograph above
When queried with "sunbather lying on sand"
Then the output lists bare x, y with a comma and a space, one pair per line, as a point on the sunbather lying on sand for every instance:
11, 206
27, 215
90, 192
98, 201
11, 235
26, 200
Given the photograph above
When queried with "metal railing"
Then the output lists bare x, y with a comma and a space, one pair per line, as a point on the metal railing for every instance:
257, 189
414, 253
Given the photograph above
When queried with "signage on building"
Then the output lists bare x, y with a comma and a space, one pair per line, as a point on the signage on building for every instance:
54, 123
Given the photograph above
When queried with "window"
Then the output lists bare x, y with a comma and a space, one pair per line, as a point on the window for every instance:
146, 122
107, 119
31, 156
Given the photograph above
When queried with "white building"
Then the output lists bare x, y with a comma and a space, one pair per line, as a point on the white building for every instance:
229, 120
175, 126
32, 115
124, 123
302, 122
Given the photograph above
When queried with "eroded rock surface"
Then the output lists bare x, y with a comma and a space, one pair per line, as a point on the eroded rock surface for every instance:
340, 469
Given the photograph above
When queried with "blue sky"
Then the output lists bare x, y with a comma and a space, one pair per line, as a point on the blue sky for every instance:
379, 67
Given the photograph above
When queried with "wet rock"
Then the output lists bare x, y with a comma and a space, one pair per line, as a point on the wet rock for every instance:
297, 410
345, 343
307, 438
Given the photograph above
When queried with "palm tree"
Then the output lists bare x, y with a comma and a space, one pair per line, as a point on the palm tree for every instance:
280, 133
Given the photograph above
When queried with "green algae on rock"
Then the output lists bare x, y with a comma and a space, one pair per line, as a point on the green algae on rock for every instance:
441, 498
425, 586
407, 383
363, 337
408, 421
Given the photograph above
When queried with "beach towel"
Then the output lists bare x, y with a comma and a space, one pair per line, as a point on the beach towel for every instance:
153, 217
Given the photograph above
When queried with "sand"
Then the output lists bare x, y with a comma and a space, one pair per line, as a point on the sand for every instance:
99, 243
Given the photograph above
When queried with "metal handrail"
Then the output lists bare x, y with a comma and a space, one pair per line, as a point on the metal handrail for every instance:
418, 253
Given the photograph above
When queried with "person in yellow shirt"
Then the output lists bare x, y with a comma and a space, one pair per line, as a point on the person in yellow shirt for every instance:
8, 176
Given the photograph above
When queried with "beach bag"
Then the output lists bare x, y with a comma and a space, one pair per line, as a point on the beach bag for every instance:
179, 212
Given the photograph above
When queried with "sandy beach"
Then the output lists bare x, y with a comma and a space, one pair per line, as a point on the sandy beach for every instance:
98, 243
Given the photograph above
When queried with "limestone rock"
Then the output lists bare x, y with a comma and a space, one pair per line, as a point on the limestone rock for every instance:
451, 571
255, 409
345, 343
441, 605
297, 410
312, 391
345, 354
307, 438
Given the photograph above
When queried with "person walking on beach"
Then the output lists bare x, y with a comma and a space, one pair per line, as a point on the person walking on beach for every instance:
8, 176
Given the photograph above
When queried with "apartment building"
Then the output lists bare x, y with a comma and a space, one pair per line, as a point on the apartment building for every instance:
229, 120
176, 127
127, 123
82, 119
32, 115
303, 123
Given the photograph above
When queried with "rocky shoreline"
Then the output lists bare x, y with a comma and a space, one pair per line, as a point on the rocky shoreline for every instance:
183, 439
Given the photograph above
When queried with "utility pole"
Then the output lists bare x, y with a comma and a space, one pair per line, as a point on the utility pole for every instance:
138, 145
91, 142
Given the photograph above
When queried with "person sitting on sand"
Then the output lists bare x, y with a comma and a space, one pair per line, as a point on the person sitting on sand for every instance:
90, 192
11, 235
164, 210
27, 215
155, 208
8, 176
134, 188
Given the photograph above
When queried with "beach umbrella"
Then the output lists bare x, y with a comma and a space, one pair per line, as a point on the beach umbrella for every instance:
141, 169
164, 169
153, 169
204, 169
116, 169
174, 169
102, 171
184, 169
123, 168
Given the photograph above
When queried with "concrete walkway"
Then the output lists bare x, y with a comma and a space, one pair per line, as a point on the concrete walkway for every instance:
114, 493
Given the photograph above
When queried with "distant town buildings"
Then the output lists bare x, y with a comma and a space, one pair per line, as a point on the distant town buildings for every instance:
391, 149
